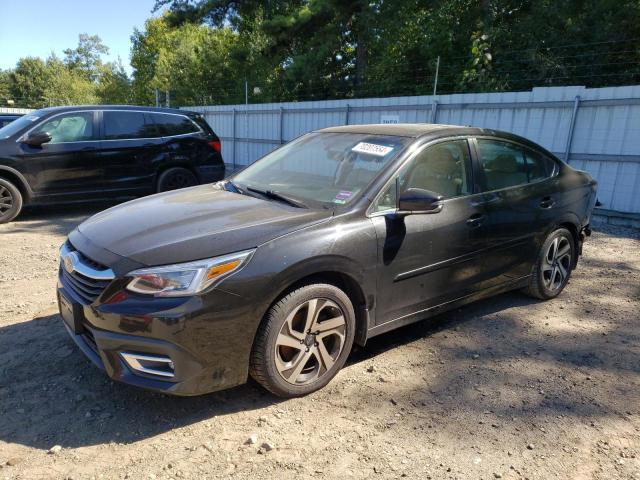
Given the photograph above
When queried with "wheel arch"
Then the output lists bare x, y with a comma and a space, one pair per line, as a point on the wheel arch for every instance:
14, 176
340, 273
571, 223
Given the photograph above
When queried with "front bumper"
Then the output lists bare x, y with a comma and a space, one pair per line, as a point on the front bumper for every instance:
208, 347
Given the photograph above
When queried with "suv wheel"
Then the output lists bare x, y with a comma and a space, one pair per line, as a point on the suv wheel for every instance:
176, 177
10, 201
303, 341
553, 267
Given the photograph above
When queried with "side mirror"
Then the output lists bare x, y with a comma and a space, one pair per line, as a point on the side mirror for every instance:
37, 139
417, 200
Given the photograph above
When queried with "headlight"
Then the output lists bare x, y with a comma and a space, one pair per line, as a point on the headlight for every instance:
187, 278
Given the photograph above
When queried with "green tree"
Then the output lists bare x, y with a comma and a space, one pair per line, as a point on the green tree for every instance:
87, 56
114, 85
5, 88
29, 82
67, 86
323, 48
197, 64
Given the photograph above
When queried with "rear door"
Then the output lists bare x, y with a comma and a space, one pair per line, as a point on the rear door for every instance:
425, 260
518, 197
191, 142
69, 164
131, 150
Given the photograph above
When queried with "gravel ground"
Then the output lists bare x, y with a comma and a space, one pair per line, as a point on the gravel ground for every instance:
505, 388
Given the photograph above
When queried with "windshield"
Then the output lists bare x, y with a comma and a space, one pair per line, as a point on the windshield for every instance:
323, 167
17, 125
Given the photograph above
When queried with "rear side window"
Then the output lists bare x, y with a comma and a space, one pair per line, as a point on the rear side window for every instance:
539, 167
503, 164
169, 125
120, 125
506, 165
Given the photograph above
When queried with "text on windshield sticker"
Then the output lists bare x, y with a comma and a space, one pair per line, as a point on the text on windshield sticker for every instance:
372, 149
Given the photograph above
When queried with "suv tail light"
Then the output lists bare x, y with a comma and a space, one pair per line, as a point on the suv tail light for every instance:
215, 144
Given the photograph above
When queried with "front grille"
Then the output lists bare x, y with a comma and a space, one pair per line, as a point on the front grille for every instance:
88, 285
86, 288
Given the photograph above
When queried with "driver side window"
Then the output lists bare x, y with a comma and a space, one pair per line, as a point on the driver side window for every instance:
443, 168
71, 127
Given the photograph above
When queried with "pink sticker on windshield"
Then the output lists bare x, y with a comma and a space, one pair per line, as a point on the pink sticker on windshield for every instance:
343, 195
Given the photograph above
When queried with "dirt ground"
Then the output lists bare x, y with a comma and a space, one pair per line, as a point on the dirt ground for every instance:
505, 388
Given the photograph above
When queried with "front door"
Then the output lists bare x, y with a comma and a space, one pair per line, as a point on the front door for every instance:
67, 165
428, 259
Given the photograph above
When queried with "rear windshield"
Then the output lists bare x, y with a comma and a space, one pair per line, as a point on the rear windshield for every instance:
18, 125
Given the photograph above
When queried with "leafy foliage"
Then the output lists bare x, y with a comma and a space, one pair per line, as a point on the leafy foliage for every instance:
80, 78
203, 51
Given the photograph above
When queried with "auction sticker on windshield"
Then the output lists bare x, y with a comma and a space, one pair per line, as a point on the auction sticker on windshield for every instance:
372, 149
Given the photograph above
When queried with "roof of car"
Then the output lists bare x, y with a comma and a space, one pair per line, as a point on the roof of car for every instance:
114, 107
431, 130
395, 129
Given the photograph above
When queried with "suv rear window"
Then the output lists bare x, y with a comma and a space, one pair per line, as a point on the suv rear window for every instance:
120, 125
169, 124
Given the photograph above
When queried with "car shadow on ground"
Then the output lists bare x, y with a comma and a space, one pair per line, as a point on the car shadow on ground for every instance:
50, 394
57, 220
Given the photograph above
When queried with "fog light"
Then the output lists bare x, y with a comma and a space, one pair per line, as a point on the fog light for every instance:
158, 365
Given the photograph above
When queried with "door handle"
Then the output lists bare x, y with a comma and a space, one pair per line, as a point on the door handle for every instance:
547, 202
475, 220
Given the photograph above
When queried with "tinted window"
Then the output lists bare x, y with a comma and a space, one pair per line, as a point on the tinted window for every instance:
539, 167
69, 127
503, 164
173, 124
443, 168
124, 125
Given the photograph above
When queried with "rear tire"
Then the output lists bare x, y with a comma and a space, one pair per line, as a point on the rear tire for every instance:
175, 178
553, 266
303, 341
10, 201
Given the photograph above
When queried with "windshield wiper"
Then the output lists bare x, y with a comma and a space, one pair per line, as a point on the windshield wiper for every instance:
278, 196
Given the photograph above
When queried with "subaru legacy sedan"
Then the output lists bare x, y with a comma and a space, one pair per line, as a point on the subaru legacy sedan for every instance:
343, 234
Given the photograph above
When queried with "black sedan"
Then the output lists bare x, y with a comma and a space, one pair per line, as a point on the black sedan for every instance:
338, 236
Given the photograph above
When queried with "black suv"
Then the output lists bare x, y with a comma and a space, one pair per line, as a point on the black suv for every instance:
75, 154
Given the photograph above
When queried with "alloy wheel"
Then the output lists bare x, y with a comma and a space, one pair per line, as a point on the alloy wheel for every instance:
310, 341
6, 200
557, 263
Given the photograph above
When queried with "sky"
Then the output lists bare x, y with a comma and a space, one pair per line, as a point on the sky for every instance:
37, 27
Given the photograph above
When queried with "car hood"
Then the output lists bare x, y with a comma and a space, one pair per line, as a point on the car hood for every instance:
191, 224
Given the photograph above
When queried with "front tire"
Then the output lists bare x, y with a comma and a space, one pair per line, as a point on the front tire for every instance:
10, 201
303, 341
553, 267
